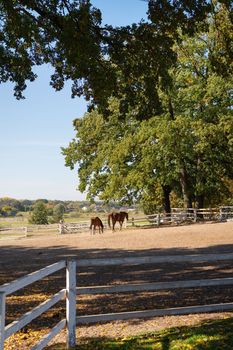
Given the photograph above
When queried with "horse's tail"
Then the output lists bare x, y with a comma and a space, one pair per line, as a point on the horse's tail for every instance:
102, 226
109, 220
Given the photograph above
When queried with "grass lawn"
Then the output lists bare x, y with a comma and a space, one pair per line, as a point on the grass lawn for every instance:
211, 335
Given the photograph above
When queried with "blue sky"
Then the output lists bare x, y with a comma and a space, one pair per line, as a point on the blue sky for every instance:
33, 130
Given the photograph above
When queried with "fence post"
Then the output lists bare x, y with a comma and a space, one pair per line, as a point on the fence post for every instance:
61, 228
158, 220
221, 214
195, 215
211, 213
25, 231
71, 303
133, 222
2, 318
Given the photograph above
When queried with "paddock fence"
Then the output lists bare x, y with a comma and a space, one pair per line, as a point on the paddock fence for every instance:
29, 230
77, 227
72, 290
39, 229
177, 216
13, 232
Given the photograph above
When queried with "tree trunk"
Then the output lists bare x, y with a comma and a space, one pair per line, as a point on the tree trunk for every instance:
170, 108
200, 180
200, 201
187, 197
166, 199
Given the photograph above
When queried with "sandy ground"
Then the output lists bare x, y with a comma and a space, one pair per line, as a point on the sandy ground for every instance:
185, 237
21, 256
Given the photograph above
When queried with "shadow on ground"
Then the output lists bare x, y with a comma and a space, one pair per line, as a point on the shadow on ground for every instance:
18, 261
210, 335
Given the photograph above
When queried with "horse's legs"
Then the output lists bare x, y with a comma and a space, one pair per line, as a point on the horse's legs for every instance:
113, 225
121, 222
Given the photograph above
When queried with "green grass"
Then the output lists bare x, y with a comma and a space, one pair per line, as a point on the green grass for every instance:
6, 236
13, 223
211, 335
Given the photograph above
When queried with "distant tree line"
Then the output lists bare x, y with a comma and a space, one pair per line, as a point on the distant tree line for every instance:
49, 211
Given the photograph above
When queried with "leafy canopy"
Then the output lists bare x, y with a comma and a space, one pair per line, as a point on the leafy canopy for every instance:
187, 147
102, 61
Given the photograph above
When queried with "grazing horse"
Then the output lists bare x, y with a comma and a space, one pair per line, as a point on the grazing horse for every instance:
114, 217
96, 222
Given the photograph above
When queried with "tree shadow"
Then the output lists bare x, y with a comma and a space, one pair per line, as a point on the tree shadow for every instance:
210, 335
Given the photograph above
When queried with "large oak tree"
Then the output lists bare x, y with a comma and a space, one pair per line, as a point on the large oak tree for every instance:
186, 148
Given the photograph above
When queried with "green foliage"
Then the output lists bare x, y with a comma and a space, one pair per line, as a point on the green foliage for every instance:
187, 147
58, 212
7, 210
11, 202
39, 215
56, 209
127, 62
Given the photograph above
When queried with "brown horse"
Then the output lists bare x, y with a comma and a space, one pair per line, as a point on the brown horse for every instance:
96, 222
114, 217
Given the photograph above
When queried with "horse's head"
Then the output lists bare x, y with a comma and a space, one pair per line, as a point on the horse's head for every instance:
127, 216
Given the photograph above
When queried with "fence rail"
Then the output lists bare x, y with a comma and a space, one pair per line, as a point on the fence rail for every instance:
31, 315
154, 286
153, 313
38, 228
155, 259
13, 231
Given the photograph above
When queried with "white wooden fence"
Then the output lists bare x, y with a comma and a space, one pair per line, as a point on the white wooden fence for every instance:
76, 227
71, 291
179, 215
16, 230
42, 228
13, 231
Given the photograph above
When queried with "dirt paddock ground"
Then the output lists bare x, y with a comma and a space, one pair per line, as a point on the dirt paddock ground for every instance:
21, 256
